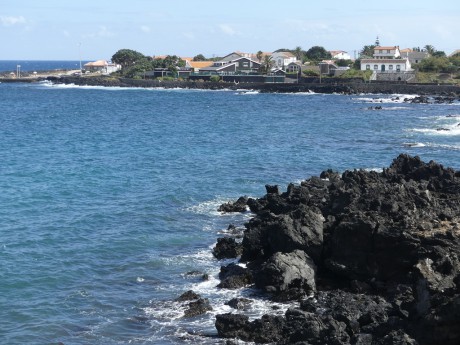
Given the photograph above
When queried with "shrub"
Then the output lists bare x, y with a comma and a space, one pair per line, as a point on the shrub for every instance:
214, 78
310, 73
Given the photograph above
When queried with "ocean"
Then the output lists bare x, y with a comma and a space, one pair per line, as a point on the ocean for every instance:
38, 65
109, 196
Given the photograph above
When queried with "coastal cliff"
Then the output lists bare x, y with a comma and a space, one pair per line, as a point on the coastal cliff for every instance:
370, 258
345, 87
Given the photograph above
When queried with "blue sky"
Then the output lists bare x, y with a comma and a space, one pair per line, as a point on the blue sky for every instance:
96, 29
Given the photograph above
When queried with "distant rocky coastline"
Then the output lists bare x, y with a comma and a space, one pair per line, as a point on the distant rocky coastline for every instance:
332, 86
366, 257
340, 86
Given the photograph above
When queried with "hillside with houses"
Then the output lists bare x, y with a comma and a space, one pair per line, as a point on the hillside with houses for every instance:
374, 63
378, 63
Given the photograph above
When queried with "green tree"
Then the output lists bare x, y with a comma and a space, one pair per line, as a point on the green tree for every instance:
259, 55
299, 53
127, 57
367, 51
140, 67
430, 49
199, 57
439, 53
266, 65
434, 64
344, 63
317, 53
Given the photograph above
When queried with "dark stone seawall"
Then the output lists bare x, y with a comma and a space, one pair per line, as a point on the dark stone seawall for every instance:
345, 87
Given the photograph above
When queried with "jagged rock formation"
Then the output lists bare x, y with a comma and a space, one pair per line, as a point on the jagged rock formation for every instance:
372, 258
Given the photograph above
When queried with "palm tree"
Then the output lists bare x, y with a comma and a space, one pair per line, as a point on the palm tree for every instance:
298, 53
259, 55
430, 49
267, 64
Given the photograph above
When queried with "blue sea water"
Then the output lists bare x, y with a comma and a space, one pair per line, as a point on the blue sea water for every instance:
109, 196
38, 65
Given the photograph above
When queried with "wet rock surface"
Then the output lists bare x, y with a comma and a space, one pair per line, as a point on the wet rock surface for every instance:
370, 258
194, 304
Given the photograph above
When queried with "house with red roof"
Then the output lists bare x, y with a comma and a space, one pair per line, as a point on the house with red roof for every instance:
386, 60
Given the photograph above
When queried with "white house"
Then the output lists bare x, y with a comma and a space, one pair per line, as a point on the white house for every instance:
282, 59
386, 60
102, 66
386, 65
340, 55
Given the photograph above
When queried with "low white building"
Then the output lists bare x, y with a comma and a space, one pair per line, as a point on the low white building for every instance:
386, 65
102, 66
340, 55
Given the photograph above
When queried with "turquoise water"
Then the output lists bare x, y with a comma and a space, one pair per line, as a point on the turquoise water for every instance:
108, 196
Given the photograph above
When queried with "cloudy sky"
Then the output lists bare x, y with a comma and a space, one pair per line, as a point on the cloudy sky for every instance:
96, 29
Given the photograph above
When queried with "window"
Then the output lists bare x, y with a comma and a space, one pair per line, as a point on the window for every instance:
388, 51
398, 68
390, 67
368, 67
376, 67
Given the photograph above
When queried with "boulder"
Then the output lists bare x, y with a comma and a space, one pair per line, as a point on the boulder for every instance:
227, 248
267, 329
238, 206
198, 307
196, 304
234, 276
287, 272
239, 303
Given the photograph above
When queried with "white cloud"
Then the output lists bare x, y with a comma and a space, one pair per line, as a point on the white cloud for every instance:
9, 21
102, 32
145, 28
227, 29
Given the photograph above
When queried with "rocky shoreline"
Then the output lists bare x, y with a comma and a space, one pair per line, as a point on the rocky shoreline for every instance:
366, 257
343, 87
351, 86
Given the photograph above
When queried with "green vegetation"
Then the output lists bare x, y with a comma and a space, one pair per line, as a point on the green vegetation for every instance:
266, 65
317, 53
367, 51
215, 78
439, 64
310, 73
353, 73
134, 63
199, 57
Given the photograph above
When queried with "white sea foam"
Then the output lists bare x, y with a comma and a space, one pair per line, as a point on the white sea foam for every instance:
248, 92
396, 98
378, 170
414, 144
210, 207
452, 130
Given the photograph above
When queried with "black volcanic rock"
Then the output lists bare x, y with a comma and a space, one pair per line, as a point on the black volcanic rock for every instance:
238, 206
198, 307
227, 248
233, 276
378, 254
287, 273
239, 303
196, 304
